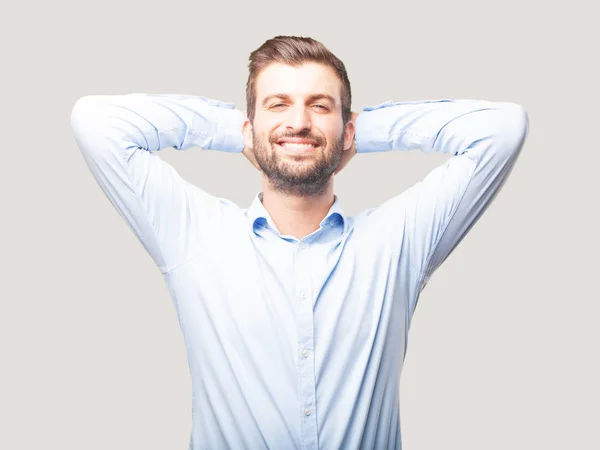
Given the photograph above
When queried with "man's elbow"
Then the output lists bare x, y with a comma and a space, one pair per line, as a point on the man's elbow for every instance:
514, 127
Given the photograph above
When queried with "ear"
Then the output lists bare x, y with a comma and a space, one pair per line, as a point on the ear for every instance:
349, 134
248, 133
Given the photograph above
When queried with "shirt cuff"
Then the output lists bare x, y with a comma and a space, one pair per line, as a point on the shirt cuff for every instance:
228, 128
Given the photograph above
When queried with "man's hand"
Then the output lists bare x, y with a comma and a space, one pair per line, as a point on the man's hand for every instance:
347, 155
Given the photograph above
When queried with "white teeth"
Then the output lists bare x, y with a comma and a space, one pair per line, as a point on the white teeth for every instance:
291, 144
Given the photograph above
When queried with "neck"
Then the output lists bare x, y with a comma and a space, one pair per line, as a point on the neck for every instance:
294, 215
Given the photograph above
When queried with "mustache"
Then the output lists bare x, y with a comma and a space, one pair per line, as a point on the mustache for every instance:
302, 135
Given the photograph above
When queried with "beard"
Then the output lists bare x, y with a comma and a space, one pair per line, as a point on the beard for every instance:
305, 175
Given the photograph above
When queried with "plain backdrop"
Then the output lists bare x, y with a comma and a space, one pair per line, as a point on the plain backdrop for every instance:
504, 346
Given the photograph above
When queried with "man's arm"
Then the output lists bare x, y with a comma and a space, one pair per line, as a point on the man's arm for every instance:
430, 218
118, 136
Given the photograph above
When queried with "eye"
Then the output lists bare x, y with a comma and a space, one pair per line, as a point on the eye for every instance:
323, 107
277, 105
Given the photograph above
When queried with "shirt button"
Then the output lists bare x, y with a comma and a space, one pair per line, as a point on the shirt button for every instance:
305, 353
307, 411
302, 246
302, 294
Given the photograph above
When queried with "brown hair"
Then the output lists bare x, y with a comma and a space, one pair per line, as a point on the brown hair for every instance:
295, 51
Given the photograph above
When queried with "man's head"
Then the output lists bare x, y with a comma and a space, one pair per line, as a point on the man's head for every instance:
297, 91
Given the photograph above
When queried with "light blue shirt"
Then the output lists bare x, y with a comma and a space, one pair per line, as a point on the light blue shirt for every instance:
296, 344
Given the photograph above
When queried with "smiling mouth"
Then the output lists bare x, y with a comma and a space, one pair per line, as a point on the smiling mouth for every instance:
297, 148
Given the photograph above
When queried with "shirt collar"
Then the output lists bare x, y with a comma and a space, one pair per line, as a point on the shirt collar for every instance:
258, 216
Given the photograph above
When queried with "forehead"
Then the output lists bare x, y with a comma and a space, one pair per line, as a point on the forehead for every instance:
297, 81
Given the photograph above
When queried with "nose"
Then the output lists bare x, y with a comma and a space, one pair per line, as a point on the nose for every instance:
298, 119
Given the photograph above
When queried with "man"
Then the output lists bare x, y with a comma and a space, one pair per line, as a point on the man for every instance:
296, 315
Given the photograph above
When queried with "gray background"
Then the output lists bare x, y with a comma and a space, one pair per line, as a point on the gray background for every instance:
504, 345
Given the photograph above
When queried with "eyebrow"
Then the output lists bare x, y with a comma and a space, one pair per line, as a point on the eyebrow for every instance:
310, 97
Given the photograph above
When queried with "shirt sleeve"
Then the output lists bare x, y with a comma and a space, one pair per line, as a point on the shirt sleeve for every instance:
119, 136
429, 219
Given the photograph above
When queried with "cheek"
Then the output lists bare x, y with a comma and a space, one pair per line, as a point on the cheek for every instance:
332, 131
262, 144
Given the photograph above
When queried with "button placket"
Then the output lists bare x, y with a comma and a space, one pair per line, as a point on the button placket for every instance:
305, 327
